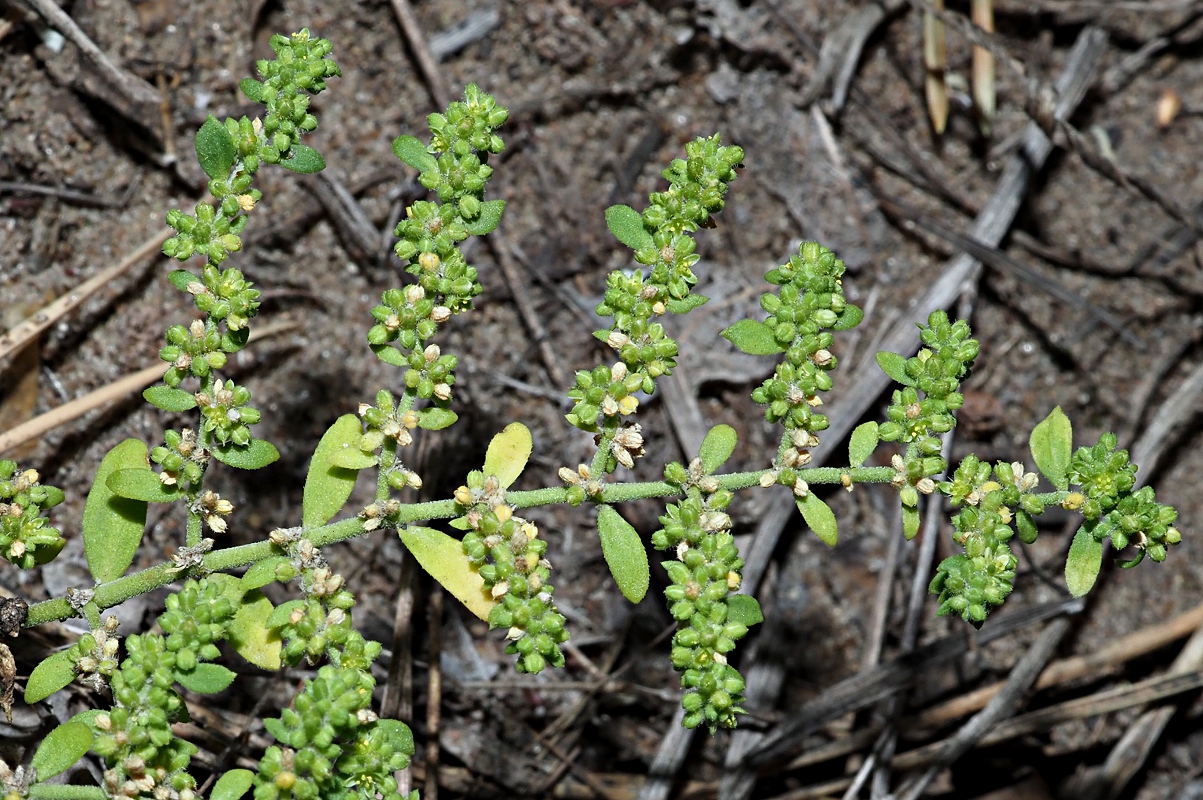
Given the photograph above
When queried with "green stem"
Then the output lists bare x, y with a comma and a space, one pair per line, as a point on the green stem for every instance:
50, 791
118, 591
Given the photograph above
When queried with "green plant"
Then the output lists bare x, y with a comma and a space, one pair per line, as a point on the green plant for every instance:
330, 742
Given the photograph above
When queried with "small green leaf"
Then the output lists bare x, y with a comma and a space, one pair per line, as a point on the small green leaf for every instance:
141, 484
435, 418
819, 517
169, 399
910, 522
254, 90
281, 613
508, 453
398, 732
443, 557
255, 455
1026, 526
460, 524
352, 458
850, 318
1082, 565
113, 524
1052, 447
88, 717
624, 553
233, 341
206, 678
182, 279
862, 443
48, 677
744, 609
215, 149
61, 748
894, 366
263, 572
233, 785
410, 150
390, 355
490, 217
250, 634
327, 486
304, 159
754, 338
717, 447
627, 226
686, 304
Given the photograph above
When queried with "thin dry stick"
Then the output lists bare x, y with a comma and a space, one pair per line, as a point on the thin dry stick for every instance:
1000, 706
428, 65
13, 340
434, 693
526, 308
43, 423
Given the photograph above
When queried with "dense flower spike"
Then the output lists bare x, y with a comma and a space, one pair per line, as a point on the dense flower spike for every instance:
144, 757
809, 304
453, 167
511, 559
25, 538
704, 575
662, 242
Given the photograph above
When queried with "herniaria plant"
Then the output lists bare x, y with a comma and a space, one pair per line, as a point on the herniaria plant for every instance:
330, 743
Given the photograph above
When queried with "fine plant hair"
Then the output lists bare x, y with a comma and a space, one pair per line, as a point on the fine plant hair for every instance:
329, 742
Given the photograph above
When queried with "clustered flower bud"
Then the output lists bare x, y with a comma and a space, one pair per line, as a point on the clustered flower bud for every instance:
1112, 509
809, 304
143, 756
511, 559
95, 655
182, 459
705, 573
25, 538
225, 415
697, 184
462, 140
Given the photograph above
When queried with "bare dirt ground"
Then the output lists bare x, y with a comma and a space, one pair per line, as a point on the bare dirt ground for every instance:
602, 95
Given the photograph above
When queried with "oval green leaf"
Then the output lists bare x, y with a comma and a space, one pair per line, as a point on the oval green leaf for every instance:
624, 552
389, 355
686, 304
304, 159
744, 609
488, 219
862, 443
410, 150
113, 523
254, 90
233, 785
250, 634
169, 399
281, 613
894, 366
182, 279
627, 226
443, 557
508, 453
717, 447
327, 486
215, 149
256, 454
1026, 527
435, 418
141, 484
61, 748
263, 572
48, 677
850, 318
206, 678
1052, 447
910, 522
754, 338
820, 518
1082, 565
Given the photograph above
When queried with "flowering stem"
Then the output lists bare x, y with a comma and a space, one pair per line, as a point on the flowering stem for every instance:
118, 591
